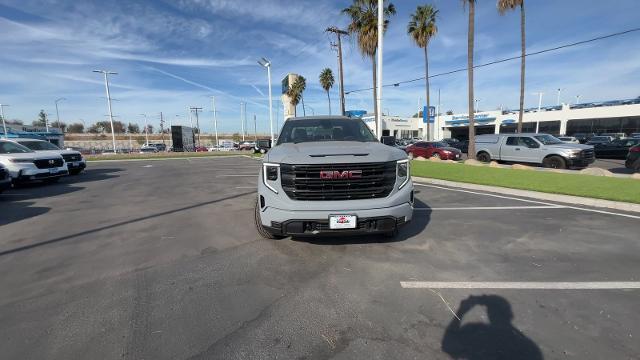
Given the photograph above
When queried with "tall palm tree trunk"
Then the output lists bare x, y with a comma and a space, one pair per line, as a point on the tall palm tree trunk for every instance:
426, 71
375, 96
472, 131
304, 112
329, 98
522, 61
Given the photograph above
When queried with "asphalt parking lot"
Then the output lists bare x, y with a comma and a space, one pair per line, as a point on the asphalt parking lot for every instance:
160, 260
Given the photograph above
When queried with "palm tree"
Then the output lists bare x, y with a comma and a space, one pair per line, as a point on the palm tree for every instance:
422, 28
326, 81
295, 93
302, 86
471, 153
364, 25
503, 7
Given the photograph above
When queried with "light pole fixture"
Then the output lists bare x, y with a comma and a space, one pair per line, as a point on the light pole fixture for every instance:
106, 74
146, 129
266, 63
378, 100
4, 125
57, 112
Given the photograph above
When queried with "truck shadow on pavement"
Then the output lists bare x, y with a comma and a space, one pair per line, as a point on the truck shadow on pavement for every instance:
419, 222
498, 339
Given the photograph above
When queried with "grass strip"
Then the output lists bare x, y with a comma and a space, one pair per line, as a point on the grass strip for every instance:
598, 187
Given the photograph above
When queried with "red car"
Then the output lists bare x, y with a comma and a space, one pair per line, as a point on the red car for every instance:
437, 149
201, 149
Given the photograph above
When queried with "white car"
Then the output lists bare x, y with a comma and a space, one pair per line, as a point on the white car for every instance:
26, 165
569, 139
75, 162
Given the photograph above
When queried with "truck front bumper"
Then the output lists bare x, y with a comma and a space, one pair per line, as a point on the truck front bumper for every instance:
316, 222
579, 162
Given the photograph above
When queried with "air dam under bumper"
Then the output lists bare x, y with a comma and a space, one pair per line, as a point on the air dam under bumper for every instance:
316, 222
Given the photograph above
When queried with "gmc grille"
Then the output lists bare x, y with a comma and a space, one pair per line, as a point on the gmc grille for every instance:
303, 182
48, 163
72, 157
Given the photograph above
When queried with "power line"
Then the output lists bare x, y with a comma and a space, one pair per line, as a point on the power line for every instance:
506, 59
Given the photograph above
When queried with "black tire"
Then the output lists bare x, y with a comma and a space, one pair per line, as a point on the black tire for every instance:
483, 157
554, 162
261, 230
435, 155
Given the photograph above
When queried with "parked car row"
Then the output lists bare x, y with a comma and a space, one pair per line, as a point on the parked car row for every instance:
29, 160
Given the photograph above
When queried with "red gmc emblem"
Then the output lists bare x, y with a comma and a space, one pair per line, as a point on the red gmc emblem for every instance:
336, 175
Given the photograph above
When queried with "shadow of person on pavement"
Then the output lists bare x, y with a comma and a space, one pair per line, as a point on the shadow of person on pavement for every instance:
497, 340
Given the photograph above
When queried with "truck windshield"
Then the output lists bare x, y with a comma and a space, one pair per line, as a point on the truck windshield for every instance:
39, 145
548, 139
309, 130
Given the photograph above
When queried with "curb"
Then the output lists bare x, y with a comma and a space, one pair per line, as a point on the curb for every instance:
566, 199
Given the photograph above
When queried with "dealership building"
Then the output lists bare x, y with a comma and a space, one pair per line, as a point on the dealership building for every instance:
611, 117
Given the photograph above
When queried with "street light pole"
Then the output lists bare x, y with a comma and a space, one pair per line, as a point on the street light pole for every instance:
558, 101
4, 125
215, 120
379, 84
242, 119
106, 73
57, 112
266, 63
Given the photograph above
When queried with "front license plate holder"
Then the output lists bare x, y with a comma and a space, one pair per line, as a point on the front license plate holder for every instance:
342, 221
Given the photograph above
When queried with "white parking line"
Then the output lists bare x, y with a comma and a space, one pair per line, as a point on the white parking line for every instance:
237, 175
246, 187
523, 285
530, 201
491, 208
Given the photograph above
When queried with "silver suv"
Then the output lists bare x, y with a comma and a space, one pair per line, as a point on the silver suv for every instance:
26, 165
329, 175
75, 161
539, 149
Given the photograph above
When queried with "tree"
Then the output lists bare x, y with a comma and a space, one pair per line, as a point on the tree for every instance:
105, 126
42, 119
364, 25
133, 128
295, 93
75, 128
503, 7
326, 81
14, 121
422, 28
150, 129
471, 153
60, 125
449, 112
95, 129
302, 86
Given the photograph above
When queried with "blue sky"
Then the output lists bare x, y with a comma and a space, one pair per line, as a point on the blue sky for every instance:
174, 54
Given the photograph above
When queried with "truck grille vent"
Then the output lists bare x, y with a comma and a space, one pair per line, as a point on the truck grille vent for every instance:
588, 154
48, 163
72, 157
303, 182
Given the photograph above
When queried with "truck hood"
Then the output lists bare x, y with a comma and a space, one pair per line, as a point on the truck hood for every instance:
58, 152
568, 146
323, 152
32, 155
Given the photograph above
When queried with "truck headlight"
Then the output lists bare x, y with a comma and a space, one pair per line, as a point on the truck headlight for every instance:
402, 172
270, 173
574, 153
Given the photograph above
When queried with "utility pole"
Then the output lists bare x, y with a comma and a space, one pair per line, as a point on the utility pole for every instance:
190, 119
246, 125
106, 73
215, 120
255, 129
339, 34
161, 127
558, 101
196, 109
242, 119
539, 109
436, 127
4, 125
379, 69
